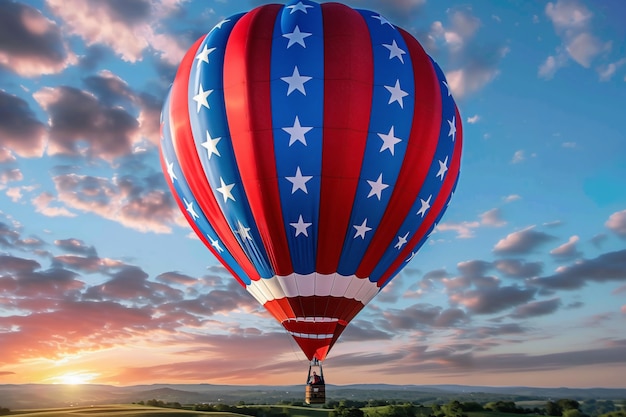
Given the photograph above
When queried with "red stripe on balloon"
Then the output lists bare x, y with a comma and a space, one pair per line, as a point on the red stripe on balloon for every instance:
193, 225
247, 98
438, 205
348, 77
421, 147
182, 139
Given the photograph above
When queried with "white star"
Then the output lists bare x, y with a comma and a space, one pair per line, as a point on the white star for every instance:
397, 94
377, 187
220, 24
301, 227
296, 81
299, 181
361, 229
410, 258
443, 167
243, 231
452, 124
425, 206
383, 21
296, 37
216, 244
401, 241
201, 98
447, 87
389, 140
226, 190
203, 56
395, 51
190, 209
170, 170
299, 7
297, 132
211, 145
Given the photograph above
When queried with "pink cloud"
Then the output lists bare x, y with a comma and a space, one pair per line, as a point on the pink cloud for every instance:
20, 131
617, 223
32, 44
134, 205
127, 28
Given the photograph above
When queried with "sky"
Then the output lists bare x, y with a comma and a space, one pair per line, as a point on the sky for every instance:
523, 281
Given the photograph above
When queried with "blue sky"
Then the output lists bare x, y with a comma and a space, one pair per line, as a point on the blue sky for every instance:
523, 282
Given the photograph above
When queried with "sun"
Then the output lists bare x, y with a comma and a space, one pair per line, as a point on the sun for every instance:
74, 378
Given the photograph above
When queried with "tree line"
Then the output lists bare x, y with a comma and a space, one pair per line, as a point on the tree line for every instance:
382, 408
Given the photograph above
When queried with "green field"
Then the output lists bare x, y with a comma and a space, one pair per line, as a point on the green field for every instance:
121, 410
295, 411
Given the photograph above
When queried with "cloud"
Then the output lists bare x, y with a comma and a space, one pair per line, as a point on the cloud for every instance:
473, 119
607, 71
6, 156
492, 218
493, 299
142, 204
10, 175
20, 131
111, 90
128, 28
598, 239
9, 234
64, 328
29, 285
31, 45
14, 193
42, 204
474, 268
584, 47
471, 65
463, 229
176, 278
420, 315
462, 360
521, 242
470, 79
14, 264
76, 246
512, 197
572, 23
536, 308
567, 250
551, 65
225, 358
517, 268
52, 312
518, 157
107, 121
363, 331
607, 267
131, 283
77, 119
617, 223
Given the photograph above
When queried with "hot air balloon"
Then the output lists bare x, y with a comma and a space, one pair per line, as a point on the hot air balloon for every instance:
313, 148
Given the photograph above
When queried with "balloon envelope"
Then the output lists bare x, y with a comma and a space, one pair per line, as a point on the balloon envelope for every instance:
313, 148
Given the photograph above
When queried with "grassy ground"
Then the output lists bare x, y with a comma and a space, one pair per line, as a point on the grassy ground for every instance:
122, 410
295, 411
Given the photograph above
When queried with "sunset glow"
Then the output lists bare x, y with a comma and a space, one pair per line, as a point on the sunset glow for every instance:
74, 378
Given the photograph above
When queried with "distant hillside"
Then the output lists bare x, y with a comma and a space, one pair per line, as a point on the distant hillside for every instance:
44, 395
